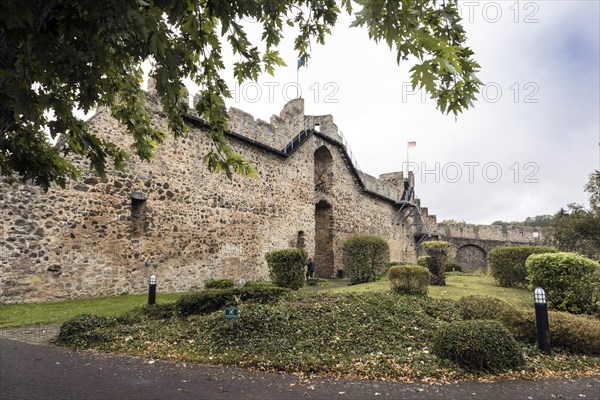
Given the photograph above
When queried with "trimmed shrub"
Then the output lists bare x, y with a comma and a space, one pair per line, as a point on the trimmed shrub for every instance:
409, 279
422, 261
454, 268
570, 281
365, 257
286, 267
507, 264
437, 260
211, 300
218, 284
487, 307
480, 345
83, 329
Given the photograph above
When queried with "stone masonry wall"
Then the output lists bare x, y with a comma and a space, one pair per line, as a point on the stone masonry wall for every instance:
173, 218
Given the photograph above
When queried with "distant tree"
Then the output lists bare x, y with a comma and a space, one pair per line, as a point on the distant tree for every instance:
576, 228
540, 221
593, 188
60, 55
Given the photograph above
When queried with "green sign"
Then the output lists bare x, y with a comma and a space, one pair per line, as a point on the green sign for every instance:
231, 313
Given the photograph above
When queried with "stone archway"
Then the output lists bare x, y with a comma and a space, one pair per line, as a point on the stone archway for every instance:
471, 258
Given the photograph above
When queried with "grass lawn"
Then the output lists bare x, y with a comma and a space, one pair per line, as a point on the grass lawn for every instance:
457, 286
15, 315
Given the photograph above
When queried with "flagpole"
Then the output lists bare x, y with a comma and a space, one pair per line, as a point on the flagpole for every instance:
408, 146
297, 84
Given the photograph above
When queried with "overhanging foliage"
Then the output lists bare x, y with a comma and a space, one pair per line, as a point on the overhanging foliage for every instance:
59, 55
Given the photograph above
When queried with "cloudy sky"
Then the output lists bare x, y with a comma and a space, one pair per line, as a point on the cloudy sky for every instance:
526, 149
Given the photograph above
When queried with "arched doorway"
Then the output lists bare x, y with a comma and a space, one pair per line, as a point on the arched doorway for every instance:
323, 179
323, 170
323, 257
471, 258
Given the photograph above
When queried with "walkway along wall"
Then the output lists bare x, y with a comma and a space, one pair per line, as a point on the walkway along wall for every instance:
173, 218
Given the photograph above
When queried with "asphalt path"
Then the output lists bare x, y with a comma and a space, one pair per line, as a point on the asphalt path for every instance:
41, 371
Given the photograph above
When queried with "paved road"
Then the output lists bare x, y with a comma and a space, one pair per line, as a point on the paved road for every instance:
33, 371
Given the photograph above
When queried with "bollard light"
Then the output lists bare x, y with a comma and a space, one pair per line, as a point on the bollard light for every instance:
541, 320
539, 296
152, 290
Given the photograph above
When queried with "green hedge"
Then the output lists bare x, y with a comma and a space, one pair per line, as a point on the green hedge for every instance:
422, 261
437, 260
480, 345
507, 264
571, 281
575, 333
211, 300
365, 258
409, 279
218, 284
286, 267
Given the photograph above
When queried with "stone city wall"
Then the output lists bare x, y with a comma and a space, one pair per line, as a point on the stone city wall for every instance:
173, 218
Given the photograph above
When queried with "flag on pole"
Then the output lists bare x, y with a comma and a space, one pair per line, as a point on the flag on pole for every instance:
299, 63
412, 144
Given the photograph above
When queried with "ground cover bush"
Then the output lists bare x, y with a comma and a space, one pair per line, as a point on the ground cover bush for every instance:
365, 258
507, 264
374, 335
218, 284
571, 281
83, 329
409, 279
492, 308
286, 267
481, 345
437, 260
259, 284
211, 300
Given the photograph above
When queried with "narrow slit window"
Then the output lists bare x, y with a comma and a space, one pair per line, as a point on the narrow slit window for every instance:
138, 213
300, 242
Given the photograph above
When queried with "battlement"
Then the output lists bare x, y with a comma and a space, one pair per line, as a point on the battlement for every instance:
283, 128
518, 234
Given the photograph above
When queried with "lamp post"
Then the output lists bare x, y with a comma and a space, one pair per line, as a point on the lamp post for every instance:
541, 320
152, 290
